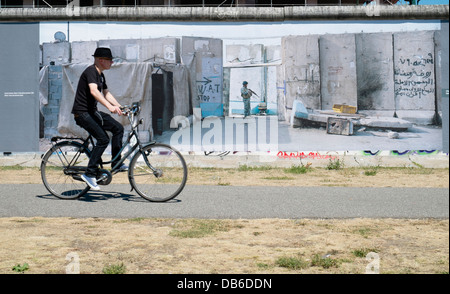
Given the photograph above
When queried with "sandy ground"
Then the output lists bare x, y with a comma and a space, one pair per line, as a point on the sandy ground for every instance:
93, 245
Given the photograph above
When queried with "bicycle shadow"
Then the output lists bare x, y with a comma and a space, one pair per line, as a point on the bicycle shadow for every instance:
96, 196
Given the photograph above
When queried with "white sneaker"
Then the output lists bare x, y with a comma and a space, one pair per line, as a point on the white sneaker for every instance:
92, 182
123, 167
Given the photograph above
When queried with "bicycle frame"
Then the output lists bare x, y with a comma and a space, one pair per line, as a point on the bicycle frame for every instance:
133, 133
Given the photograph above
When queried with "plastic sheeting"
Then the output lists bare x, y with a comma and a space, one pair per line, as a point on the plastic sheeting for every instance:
180, 89
43, 86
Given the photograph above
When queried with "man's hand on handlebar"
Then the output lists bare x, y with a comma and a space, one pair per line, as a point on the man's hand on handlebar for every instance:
116, 109
127, 109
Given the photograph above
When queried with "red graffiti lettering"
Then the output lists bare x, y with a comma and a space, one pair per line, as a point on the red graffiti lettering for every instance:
302, 155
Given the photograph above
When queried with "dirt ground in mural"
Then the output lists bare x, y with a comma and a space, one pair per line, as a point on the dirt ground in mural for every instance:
257, 246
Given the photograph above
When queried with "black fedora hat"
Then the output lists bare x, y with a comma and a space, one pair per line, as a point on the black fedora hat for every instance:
103, 52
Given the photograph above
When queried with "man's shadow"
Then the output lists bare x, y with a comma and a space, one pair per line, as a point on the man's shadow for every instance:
96, 196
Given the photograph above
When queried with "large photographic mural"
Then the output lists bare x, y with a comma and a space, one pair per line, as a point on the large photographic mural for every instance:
316, 86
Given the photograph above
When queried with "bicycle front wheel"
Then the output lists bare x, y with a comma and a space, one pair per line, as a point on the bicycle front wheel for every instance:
158, 172
61, 168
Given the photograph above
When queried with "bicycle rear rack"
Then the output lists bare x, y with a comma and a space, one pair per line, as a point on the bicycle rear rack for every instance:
58, 138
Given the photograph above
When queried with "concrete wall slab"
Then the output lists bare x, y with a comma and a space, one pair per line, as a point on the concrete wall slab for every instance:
414, 75
301, 62
159, 50
193, 51
338, 70
123, 49
59, 53
375, 72
82, 51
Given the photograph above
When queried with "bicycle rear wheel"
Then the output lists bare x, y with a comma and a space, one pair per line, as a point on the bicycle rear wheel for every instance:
158, 172
61, 168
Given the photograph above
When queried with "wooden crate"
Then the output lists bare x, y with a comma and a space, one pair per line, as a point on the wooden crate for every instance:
343, 108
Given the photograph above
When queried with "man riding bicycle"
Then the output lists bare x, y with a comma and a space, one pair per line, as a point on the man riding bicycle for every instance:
92, 89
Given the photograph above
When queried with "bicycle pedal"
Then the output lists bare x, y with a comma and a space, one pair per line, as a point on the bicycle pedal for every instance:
105, 177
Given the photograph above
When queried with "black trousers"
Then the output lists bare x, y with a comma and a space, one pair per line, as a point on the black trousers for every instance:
97, 124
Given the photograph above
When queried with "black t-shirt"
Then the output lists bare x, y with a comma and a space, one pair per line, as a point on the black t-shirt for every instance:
84, 101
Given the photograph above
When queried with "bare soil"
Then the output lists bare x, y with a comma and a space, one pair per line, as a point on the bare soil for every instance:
55, 245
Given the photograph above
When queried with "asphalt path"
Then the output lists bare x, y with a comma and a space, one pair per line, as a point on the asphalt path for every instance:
223, 202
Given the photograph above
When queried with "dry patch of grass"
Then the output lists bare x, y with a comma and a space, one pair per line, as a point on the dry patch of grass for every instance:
308, 176
296, 175
223, 246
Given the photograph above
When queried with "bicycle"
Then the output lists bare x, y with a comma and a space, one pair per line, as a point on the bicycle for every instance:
157, 171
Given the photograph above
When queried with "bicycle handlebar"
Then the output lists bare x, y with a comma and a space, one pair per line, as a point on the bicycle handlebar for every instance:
135, 108
132, 112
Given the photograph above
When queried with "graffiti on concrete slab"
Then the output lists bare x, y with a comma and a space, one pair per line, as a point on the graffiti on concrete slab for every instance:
370, 153
401, 153
207, 90
209, 87
220, 154
414, 152
416, 79
419, 62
